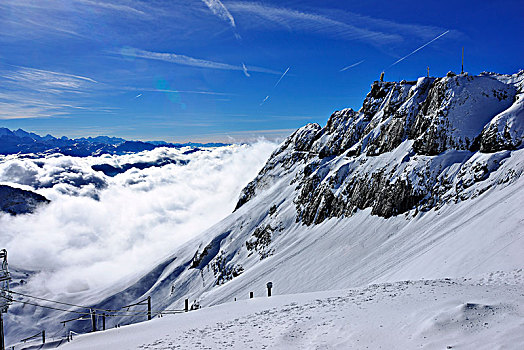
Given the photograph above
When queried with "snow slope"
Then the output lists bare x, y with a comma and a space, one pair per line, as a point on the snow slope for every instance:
428, 314
423, 182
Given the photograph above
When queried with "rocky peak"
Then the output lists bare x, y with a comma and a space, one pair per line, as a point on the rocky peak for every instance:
409, 148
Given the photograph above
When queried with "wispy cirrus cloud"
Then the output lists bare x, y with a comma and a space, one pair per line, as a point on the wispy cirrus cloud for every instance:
17, 106
118, 7
190, 61
130, 7
37, 93
218, 8
334, 23
45, 80
28, 19
258, 14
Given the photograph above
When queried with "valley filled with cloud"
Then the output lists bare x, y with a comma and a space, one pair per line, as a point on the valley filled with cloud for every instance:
99, 231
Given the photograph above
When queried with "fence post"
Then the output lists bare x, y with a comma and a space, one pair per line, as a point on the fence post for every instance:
269, 286
93, 320
2, 344
43, 337
186, 305
149, 307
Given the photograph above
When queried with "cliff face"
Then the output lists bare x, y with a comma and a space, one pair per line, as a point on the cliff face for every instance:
412, 146
16, 201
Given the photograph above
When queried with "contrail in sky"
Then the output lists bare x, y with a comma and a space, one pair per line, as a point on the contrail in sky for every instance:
420, 48
261, 103
282, 76
351, 66
246, 73
220, 10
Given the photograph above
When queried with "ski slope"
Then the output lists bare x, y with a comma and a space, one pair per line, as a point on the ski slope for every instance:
486, 313
395, 192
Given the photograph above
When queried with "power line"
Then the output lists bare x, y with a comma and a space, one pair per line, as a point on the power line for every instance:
60, 302
88, 313
50, 307
113, 312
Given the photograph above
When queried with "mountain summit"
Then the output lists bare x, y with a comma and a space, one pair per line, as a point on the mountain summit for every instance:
408, 187
423, 182
412, 145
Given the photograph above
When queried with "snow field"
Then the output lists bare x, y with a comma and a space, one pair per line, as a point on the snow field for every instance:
428, 314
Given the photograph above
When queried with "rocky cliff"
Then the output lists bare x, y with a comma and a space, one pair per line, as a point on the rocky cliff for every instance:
16, 201
413, 145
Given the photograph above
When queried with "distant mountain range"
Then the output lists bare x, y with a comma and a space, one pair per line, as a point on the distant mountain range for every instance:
23, 142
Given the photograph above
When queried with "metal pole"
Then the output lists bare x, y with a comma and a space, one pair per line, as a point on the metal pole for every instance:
93, 320
149, 307
2, 344
43, 337
462, 70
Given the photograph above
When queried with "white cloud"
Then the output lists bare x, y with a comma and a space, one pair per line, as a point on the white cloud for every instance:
220, 10
257, 14
188, 61
113, 6
246, 73
79, 243
46, 80
339, 24
39, 93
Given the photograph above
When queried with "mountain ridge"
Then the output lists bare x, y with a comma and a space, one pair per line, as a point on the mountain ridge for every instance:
22, 142
455, 116
402, 189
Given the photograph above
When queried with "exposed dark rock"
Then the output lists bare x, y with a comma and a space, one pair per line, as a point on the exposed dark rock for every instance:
356, 161
293, 151
110, 170
260, 241
17, 201
223, 270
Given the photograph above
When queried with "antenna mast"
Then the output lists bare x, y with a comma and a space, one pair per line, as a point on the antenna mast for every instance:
5, 297
462, 70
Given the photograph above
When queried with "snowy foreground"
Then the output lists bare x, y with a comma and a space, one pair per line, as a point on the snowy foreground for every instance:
486, 313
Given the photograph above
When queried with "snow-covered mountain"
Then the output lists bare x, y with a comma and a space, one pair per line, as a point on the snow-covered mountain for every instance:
18, 201
423, 182
22, 142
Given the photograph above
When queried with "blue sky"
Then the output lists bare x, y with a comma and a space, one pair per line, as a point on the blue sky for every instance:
200, 70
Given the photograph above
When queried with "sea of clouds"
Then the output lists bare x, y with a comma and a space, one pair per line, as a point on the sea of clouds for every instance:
99, 231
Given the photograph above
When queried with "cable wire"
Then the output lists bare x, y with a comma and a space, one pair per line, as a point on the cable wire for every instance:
112, 312
121, 314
